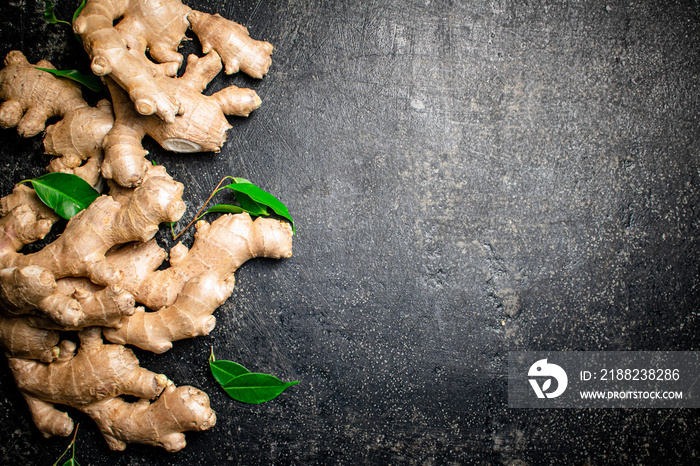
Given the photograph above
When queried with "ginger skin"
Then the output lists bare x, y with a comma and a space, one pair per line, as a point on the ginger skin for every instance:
189, 316
19, 339
32, 96
221, 248
159, 423
202, 127
159, 26
197, 282
24, 289
95, 373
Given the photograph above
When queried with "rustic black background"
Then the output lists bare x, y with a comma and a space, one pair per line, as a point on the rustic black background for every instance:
467, 178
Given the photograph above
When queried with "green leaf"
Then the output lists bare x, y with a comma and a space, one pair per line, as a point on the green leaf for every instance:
226, 208
77, 12
256, 388
90, 81
249, 205
246, 192
49, 14
71, 462
225, 371
66, 194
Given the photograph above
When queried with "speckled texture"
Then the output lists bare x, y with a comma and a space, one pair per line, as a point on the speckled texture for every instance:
467, 179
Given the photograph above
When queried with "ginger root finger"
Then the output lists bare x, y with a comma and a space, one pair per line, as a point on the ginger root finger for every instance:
201, 126
25, 219
221, 248
36, 94
49, 420
19, 339
31, 287
100, 306
159, 423
232, 42
97, 371
189, 316
31, 96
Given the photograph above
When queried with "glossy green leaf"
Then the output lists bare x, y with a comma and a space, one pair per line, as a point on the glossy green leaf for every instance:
71, 462
66, 194
225, 371
256, 388
90, 81
245, 192
249, 205
226, 208
77, 12
50, 15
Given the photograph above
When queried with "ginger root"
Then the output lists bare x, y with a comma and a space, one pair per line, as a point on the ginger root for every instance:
20, 339
159, 423
96, 372
118, 50
106, 262
93, 275
202, 126
32, 96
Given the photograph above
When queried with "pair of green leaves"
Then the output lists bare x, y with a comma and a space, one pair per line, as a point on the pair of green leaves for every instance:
65, 193
252, 199
68, 194
243, 385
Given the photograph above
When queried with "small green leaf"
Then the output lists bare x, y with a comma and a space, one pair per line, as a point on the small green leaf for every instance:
225, 371
49, 14
247, 192
71, 462
66, 194
90, 81
77, 12
226, 208
256, 388
249, 205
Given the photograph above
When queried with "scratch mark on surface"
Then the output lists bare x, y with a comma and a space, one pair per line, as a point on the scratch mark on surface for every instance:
255, 9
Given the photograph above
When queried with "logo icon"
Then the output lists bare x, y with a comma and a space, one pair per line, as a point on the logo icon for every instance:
542, 369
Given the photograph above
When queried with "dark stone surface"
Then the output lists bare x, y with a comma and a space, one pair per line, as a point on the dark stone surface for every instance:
467, 179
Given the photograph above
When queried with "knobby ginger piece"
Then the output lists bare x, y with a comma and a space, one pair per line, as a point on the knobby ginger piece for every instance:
20, 339
118, 50
32, 96
158, 423
189, 316
201, 127
97, 371
220, 248
80, 250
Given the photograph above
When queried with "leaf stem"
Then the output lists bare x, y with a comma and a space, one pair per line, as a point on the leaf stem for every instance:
196, 216
70, 445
